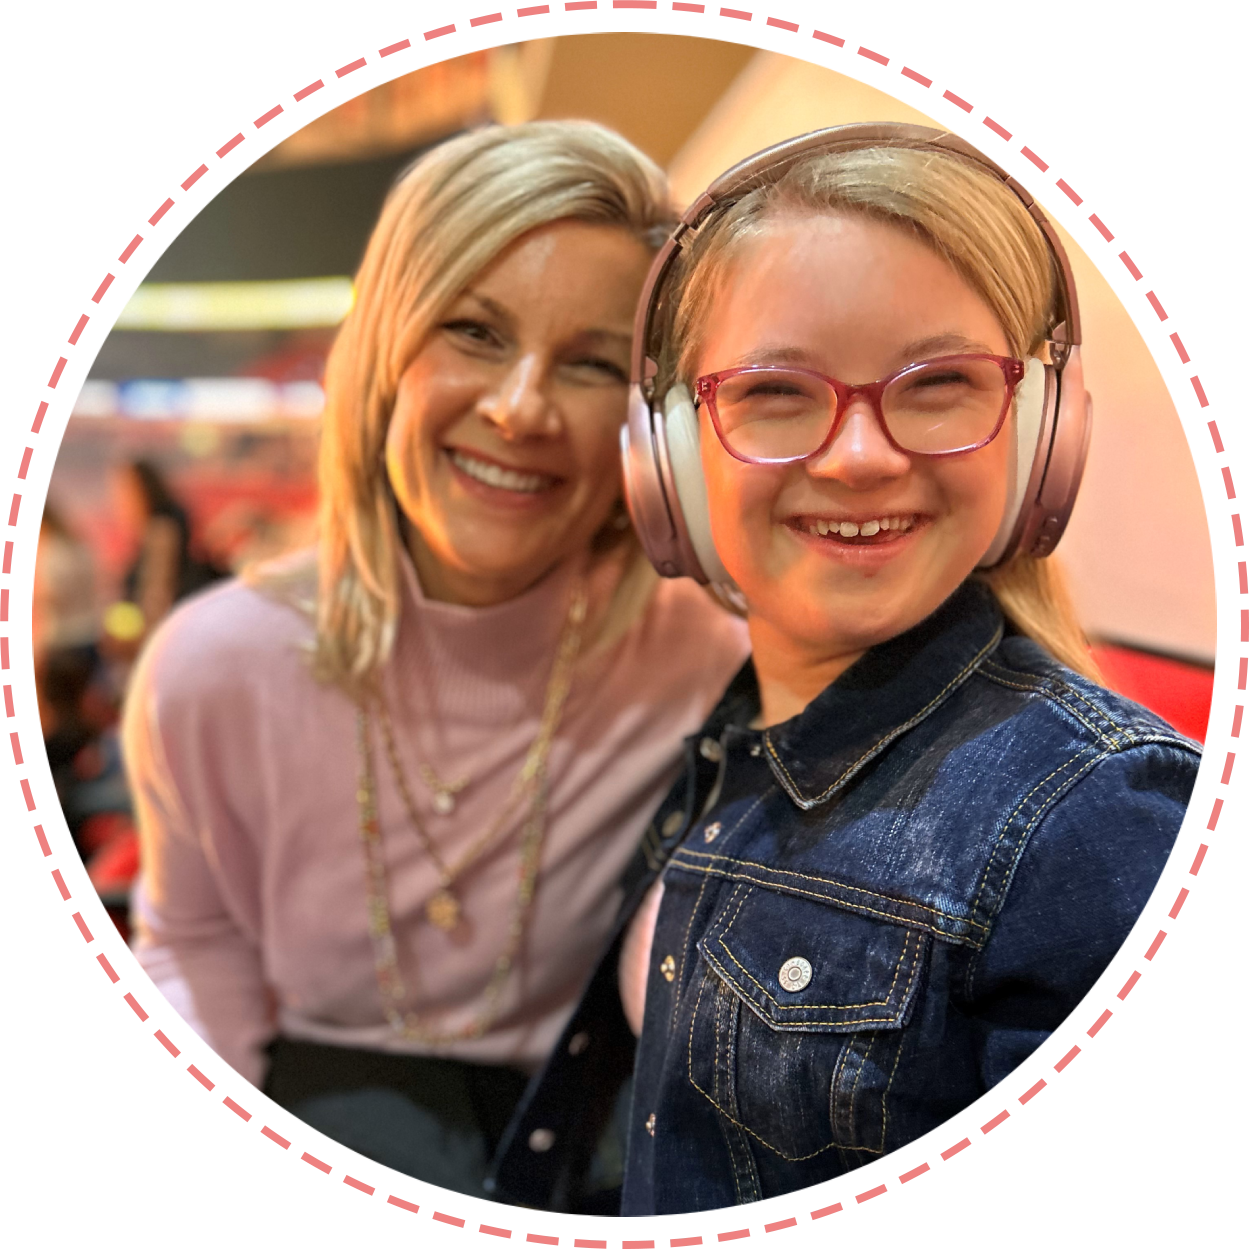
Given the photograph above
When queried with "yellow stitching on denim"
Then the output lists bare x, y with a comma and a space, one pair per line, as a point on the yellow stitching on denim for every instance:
1039, 688
1040, 813
1037, 817
907, 935
806, 1025
1043, 688
766, 1144
685, 946
841, 1061
885, 1114
1007, 823
910, 923
897, 730
803, 876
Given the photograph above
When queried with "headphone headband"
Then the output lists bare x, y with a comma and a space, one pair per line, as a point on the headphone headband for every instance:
663, 475
768, 166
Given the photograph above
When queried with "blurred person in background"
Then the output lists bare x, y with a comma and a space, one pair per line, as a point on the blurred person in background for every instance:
78, 711
387, 789
166, 568
65, 630
64, 610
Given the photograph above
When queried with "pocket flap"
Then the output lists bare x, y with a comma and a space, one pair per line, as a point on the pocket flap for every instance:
843, 972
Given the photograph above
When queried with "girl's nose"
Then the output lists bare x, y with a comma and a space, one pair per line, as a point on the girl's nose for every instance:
860, 455
519, 406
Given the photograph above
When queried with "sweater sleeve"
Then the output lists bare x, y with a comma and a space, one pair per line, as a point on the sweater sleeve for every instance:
186, 937
1079, 887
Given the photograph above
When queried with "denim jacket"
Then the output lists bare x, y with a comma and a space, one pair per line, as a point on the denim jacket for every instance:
872, 913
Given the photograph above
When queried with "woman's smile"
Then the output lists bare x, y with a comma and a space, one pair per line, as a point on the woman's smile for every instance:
494, 482
502, 445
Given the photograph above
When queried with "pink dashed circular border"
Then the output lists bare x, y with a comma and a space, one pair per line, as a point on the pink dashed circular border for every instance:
171, 1050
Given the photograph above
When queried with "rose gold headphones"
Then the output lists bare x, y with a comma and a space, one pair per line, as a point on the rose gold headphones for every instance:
664, 485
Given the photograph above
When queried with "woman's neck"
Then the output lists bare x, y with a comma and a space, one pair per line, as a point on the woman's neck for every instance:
790, 673
443, 584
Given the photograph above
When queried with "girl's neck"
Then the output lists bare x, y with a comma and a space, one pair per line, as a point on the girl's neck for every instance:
790, 673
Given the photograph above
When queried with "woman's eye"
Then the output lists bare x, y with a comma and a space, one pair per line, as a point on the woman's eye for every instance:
477, 333
600, 366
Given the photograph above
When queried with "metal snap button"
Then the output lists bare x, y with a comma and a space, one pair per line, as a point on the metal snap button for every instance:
651, 1124
668, 967
755, 750
672, 822
578, 1043
711, 750
542, 1140
795, 973
709, 834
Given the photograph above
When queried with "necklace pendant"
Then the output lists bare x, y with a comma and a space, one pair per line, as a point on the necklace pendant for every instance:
443, 911
444, 802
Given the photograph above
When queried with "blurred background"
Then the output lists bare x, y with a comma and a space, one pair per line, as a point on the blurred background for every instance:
192, 446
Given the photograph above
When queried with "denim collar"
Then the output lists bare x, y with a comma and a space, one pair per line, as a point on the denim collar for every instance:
891, 688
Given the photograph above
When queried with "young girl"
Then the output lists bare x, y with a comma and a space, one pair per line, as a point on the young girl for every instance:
916, 830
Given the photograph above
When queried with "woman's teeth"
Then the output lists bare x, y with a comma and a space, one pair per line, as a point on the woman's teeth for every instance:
853, 529
495, 475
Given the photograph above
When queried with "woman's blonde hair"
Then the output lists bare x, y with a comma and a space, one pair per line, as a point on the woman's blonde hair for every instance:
971, 219
445, 220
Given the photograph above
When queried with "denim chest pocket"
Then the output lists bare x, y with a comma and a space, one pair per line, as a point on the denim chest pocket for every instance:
798, 1019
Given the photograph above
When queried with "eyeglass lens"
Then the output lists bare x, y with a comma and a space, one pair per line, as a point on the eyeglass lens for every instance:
937, 406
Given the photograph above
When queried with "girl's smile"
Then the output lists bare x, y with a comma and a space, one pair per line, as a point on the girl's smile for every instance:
862, 541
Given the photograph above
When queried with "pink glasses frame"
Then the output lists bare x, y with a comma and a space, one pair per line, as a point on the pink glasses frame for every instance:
706, 387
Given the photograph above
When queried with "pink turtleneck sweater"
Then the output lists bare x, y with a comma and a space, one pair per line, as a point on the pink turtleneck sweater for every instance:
251, 909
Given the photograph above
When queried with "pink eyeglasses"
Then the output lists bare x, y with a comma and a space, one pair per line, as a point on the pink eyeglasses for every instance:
939, 407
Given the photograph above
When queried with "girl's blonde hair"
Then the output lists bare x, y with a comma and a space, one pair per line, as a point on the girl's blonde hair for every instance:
444, 221
971, 219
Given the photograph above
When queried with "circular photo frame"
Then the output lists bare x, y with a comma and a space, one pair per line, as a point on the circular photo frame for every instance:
339, 1190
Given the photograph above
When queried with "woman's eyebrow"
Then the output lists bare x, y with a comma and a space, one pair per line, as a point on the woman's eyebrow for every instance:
491, 306
615, 338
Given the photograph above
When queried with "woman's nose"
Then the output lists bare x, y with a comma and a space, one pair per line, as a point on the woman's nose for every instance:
860, 454
519, 406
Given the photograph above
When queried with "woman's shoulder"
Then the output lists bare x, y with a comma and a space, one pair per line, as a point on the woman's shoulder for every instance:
238, 632
682, 616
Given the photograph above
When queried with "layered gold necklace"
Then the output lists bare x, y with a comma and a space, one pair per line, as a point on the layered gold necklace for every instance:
443, 910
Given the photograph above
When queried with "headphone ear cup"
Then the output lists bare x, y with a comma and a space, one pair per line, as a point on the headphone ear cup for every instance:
1033, 417
1056, 494
644, 485
681, 427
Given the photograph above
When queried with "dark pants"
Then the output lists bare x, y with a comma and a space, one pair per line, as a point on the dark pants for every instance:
439, 1120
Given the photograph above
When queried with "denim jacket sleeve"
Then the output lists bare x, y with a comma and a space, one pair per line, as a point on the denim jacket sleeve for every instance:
1074, 898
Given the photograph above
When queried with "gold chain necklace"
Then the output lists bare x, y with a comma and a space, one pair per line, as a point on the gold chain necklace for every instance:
443, 909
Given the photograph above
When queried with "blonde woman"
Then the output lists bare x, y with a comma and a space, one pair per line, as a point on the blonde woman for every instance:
923, 828
386, 790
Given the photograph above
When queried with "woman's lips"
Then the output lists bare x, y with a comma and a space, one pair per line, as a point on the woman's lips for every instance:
502, 487
499, 476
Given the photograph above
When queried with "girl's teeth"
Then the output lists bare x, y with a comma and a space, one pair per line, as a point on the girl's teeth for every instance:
865, 529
